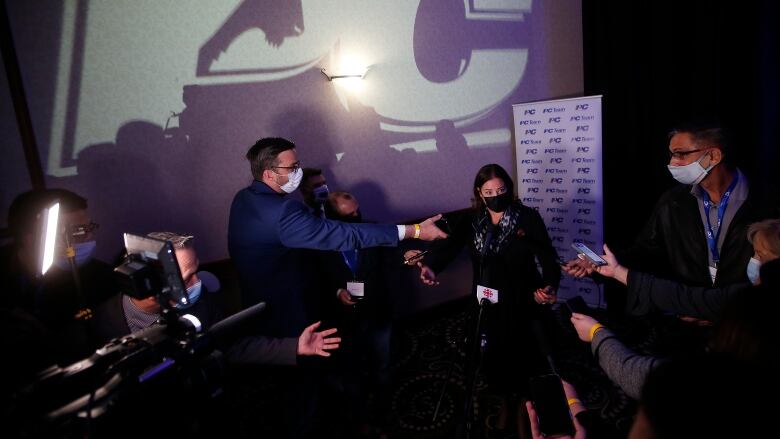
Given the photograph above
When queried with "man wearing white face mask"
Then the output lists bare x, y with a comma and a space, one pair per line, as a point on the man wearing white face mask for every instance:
268, 232
696, 234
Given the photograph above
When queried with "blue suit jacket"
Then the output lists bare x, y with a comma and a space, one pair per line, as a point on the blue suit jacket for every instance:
268, 235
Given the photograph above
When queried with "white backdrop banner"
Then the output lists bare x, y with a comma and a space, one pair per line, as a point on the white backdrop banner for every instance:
559, 173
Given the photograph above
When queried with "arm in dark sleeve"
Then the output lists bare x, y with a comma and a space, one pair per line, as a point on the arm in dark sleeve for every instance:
622, 365
647, 293
548, 257
298, 228
263, 350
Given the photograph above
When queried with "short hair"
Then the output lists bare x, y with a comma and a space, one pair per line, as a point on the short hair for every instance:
264, 154
309, 173
331, 207
489, 172
706, 396
179, 240
26, 206
770, 231
705, 135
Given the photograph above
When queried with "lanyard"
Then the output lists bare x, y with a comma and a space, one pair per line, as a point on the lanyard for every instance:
351, 259
712, 238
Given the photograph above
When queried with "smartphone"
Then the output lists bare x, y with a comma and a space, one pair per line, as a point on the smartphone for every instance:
444, 225
415, 258
588, 253
551, 405
577, 304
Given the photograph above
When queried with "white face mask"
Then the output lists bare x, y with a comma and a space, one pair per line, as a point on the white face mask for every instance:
753, 269
293, 180
690, 174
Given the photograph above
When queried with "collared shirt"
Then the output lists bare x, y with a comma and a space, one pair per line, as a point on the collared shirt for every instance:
738, 196
137, 319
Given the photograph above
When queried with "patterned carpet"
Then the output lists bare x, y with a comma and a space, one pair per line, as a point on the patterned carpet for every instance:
428, 356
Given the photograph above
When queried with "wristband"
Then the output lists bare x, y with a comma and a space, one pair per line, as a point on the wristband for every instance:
417, 231
573, 401
595, 328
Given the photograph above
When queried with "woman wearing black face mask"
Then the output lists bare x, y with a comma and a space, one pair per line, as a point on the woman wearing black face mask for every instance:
505, 239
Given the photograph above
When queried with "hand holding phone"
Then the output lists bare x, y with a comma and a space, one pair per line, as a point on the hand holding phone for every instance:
552, 408
576, 305
589, 254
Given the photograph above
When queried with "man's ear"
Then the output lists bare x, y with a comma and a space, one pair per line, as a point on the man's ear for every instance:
716, 156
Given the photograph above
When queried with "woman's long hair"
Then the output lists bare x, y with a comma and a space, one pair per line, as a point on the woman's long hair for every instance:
489, 172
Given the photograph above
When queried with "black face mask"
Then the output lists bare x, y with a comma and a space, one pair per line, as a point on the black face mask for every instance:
499, 203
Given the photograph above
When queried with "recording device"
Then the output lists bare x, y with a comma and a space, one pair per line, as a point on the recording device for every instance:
589, 254
576, 305
160, 370
443, 225
150, 269
414, 259
552, 408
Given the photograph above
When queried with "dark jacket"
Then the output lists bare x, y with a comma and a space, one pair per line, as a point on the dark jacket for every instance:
377, 306
672, 244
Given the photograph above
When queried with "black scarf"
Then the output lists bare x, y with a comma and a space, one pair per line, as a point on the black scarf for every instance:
507, 226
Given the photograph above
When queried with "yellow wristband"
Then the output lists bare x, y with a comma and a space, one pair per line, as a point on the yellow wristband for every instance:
595, 328
417, 231
573, 401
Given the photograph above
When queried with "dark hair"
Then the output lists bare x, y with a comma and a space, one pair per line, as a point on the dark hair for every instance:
705, 136
489, 172
707, 396
264, 154
26, 206
309, 173
747, 328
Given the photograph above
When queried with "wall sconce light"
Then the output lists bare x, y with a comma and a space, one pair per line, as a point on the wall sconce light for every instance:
342, 76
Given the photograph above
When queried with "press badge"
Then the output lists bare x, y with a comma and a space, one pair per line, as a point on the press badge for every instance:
356, 289
487, 293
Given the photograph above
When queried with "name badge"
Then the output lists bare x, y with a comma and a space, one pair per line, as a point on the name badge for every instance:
356, 289
487, 293
713, 273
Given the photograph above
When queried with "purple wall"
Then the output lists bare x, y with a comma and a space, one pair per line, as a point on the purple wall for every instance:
435, 105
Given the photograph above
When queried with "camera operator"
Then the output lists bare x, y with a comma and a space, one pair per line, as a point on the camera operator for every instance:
121, 315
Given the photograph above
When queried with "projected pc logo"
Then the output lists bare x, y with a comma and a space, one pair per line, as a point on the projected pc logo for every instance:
429, 61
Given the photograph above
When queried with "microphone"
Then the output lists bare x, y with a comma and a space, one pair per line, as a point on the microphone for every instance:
485, 246
543, 341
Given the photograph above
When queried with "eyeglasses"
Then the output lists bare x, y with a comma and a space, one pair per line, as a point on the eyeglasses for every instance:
293, 168
78, 230
492, 193
679, 155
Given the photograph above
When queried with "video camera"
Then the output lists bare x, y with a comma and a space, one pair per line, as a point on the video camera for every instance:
159, 370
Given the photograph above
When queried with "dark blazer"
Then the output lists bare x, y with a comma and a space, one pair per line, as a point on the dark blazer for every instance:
267, 233
376, 308
673, 245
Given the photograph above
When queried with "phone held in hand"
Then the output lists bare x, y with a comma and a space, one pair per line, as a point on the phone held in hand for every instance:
443, 225
576, 305
588, 253
552, 408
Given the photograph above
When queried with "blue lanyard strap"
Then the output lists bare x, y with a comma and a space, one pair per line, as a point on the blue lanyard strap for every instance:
712, 238
351, 259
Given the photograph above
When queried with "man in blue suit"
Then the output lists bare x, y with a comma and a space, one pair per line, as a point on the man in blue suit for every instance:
268, 234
